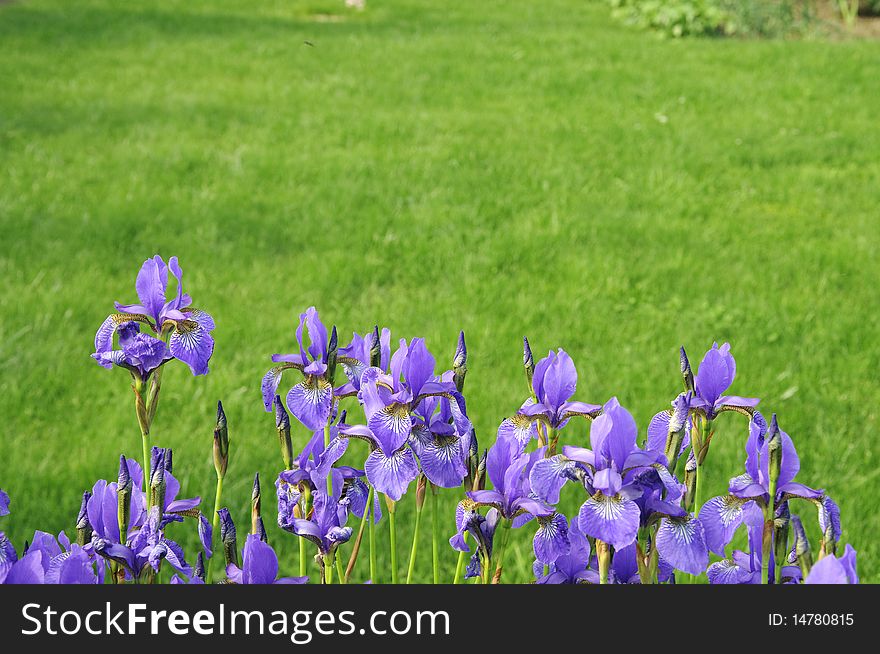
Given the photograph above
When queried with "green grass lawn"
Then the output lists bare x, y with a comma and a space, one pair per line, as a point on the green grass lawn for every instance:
505, 168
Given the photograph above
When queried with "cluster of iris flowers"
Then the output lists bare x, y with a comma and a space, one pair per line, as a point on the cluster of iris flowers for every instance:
643, 518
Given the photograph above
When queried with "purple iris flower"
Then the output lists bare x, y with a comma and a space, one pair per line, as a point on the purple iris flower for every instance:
359, 355
4, 503
469, 520
412, 410
311, 400
62, 562
310, 469
722, 515
714, 376
745, 567
326, 528
259, 565
611, 514
573, 567
103, 505
508, 466
833, 570
392, 401
188, 330
8, 556
150, 546
554, 383
436, 440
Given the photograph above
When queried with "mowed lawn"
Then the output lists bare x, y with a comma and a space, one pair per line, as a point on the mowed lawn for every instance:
505, 167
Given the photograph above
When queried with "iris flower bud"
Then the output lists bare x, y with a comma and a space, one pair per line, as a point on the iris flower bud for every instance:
480, 482
459, 363
199, 568
332, 354
261, 531
228, 537
83, 527
781, 526
255, 505
376, 349
677, 425
282, 424
157, 478
687, 374
690, 481
123, 497
528, 361
421, 490
800, 552
221, 443
774, 452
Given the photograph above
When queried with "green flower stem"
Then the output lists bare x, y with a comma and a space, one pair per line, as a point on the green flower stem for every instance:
356, 550
459, 566
218, 495
415, 545
392, 532
327, 570
303, 554
372, 534
502, 548
340, 571
435, 533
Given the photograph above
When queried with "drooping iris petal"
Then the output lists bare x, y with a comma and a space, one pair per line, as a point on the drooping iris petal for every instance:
658, 432
721, 517
206, 535
357, 493
310, 402
443, 462
728, 572
391, 426
27, 570
611, 519
551, 539
548, 476
393, 474
4, 503
192, 343
518, 427
828, 570
259, 562
625, 565
849, 564
680, 541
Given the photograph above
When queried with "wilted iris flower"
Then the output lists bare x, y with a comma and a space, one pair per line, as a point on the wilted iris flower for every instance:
188, 330
326, 526
259, 565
